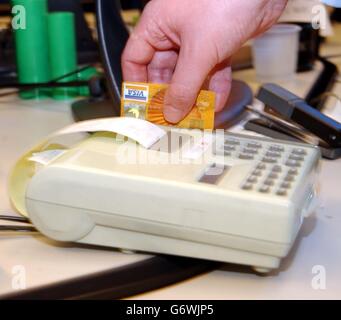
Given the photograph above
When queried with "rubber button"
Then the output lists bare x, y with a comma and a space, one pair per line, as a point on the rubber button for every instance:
269, 160
277, 169
247, 186
299, 151
264, 189
293, 163
282, 192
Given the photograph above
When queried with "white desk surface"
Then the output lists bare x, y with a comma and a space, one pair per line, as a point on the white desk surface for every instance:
24, 123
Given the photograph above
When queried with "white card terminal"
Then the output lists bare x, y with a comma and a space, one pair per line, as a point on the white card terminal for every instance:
231, 198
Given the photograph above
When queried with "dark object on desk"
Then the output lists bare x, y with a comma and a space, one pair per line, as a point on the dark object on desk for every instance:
270, 129
122, 282
113, 36
111, 48
292, 108
309, 47
295, 110
133, 4
336, 15
95, 84
323, 83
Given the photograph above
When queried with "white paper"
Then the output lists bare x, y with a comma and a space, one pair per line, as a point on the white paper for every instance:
45, 157
144, 132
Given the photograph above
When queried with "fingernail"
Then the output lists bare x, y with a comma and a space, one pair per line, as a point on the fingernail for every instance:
172, 114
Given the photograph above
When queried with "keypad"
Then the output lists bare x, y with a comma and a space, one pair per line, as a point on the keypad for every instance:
275, 166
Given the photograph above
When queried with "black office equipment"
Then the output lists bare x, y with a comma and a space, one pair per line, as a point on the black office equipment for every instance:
323, 83
296, 111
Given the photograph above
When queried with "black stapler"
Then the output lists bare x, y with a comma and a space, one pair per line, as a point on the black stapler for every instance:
289, 117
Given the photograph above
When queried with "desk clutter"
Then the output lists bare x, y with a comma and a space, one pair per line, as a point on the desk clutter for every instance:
46, 53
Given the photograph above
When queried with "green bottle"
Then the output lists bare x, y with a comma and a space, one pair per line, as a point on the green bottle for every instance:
62, 52
31, 43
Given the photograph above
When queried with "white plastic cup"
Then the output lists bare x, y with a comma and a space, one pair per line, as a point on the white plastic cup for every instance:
275, 53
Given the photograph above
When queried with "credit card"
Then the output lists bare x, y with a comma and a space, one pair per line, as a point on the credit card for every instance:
146, 101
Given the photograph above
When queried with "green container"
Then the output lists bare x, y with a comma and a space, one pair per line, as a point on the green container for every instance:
86, 75
31, 42
63, 52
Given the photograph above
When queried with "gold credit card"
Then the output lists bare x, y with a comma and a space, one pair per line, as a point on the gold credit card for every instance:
146, 100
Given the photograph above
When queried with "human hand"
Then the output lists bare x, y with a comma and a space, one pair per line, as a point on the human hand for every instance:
189, 44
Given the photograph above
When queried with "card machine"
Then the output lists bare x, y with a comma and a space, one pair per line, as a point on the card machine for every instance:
232, 198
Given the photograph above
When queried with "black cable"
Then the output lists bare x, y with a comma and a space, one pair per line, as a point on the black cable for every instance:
71, 73
18, 228
323, 83
47, 84
28, 87
15, 219
121, 282
43, 85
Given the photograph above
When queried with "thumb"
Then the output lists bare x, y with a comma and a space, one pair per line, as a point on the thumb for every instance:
192, 68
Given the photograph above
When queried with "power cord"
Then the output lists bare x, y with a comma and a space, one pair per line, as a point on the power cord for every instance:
96, 84
27, 227
15, 219
17, 229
